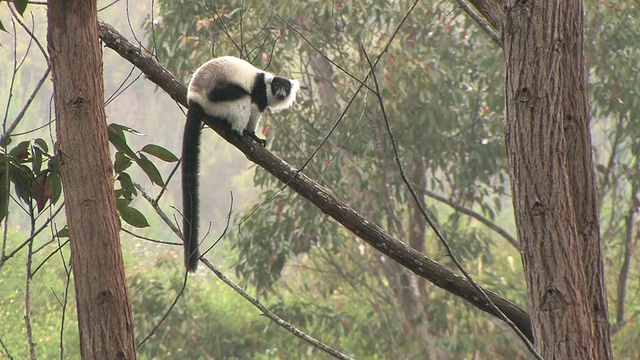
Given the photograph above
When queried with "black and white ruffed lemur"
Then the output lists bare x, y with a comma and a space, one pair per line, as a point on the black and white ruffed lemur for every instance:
235, 91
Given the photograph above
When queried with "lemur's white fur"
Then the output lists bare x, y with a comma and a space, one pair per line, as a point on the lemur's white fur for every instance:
241, 113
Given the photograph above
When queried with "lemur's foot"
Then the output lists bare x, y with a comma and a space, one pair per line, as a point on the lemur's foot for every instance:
255, 137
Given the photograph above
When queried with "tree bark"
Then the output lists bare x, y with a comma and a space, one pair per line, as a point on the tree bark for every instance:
104, 311
552, 176
581, 171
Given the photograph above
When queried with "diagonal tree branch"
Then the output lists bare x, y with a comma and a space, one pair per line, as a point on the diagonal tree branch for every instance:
328, 203
487, 29
492, 10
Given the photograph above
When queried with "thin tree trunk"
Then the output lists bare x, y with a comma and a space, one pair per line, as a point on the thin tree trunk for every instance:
553, 181
104, 312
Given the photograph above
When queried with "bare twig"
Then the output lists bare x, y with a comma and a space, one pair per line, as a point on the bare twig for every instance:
162, 242
123, 86
6, 351
27, 289
111, 4
8, 130
65, 300
483, 24
175, 229
20, 115
224, 231
461, 209
60, 246
11, 84
171, 174
275, 318
613, 153
30, 238
629, 237
158, 210
32, 36
338, 66
166, 314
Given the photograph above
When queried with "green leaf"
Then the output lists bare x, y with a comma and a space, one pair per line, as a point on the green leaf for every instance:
21, 5
131, 215
8, 140
151, 170
63, 233
4, 196
20, 152
41, 144
122, 203
2, 27
121, 129
22, 177
37, 154
54, 184
54, 165
127, 190
41, 192
119, 141
160, 152
122, 163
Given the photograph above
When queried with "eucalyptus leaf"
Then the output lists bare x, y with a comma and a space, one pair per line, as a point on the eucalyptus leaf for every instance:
160, 152
21, 6
133, 217
122, 162
151, 170
119, 141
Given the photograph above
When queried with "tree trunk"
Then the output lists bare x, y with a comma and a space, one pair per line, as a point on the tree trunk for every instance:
552, 176
104, 312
